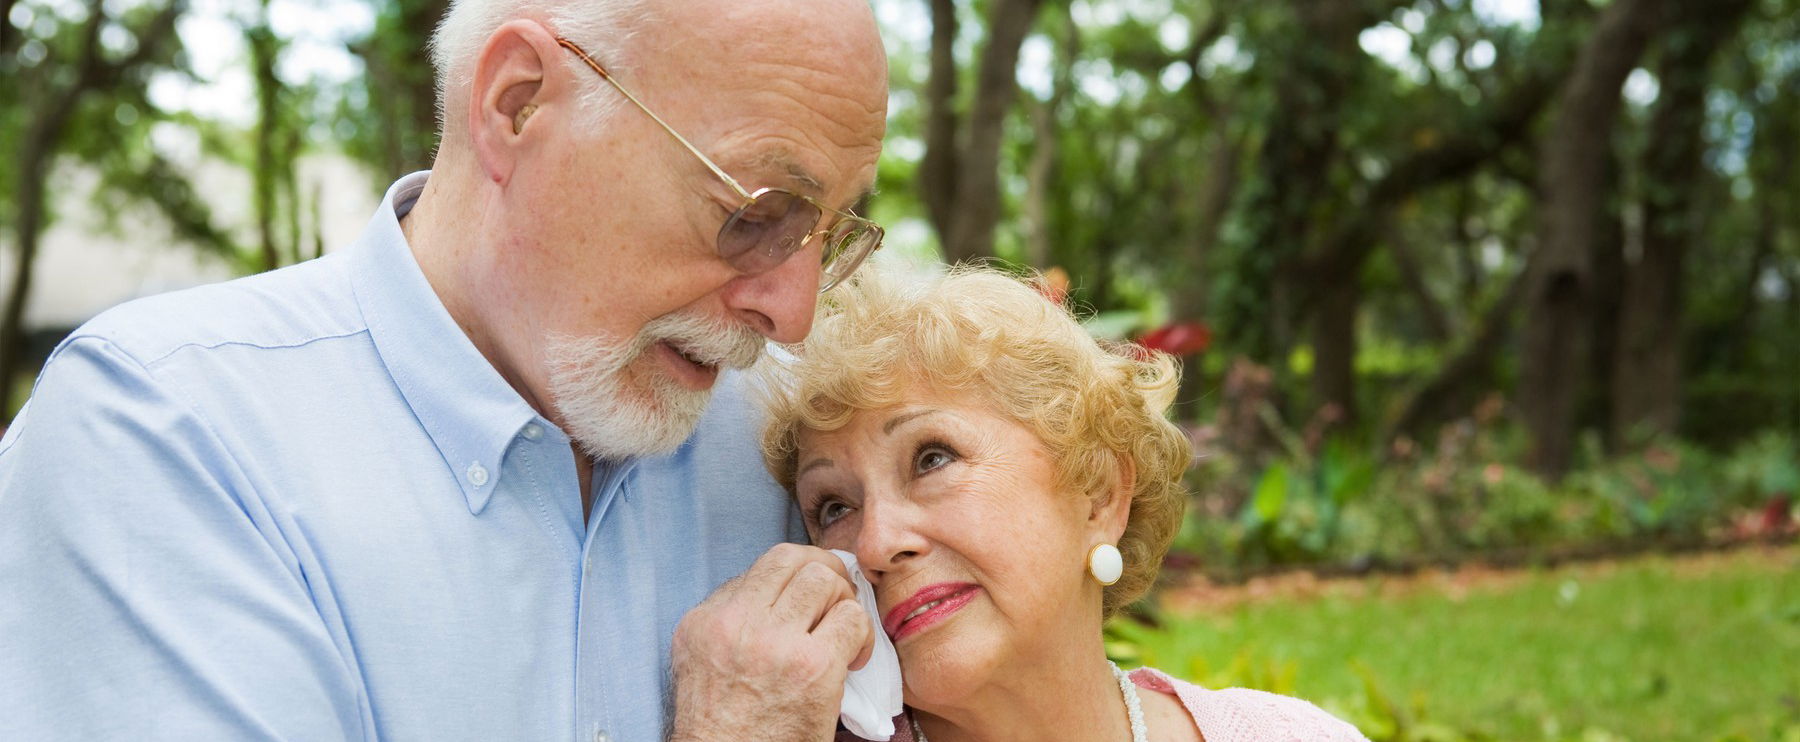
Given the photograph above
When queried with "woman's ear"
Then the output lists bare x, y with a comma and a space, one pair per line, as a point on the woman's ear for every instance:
510, 87
1112, 509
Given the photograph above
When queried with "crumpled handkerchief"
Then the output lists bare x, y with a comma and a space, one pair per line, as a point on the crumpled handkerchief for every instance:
872, 694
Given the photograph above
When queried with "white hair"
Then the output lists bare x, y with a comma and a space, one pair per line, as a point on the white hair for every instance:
609, 416
601, 27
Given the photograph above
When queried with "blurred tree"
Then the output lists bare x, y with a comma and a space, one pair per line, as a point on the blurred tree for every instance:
78, 79
960, 174
1646, 385
392, 120
1571, 192
276, 143
1314, 61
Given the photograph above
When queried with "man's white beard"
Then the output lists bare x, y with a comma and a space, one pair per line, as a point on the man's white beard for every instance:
610, 418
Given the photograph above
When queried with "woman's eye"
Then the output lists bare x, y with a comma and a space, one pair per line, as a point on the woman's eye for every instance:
931, 457
831, 511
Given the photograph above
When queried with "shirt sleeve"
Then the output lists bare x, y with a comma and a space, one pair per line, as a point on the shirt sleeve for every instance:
142, 599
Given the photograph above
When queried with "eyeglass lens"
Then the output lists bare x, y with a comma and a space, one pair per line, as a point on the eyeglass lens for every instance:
775, 223
845, 248
766, 231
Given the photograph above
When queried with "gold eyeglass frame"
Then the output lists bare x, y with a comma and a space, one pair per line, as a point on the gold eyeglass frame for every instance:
828, 280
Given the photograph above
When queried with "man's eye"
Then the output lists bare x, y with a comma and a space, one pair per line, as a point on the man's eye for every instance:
930, 457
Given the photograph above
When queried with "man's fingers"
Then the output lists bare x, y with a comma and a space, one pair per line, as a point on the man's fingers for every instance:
765, 581
849, 632
812, 591
868, 651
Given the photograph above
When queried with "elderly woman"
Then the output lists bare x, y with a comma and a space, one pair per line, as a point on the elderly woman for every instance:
1005, 484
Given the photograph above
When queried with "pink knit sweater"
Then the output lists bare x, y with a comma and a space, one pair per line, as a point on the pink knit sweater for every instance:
1230, 715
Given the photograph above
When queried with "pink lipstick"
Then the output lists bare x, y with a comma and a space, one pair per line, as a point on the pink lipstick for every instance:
927, 607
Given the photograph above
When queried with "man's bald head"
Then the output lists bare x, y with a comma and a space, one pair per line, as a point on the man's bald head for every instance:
610, 30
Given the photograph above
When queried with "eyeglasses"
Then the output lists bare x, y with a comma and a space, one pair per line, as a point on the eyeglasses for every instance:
773, 223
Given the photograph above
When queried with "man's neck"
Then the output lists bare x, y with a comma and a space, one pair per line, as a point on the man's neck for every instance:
444, 232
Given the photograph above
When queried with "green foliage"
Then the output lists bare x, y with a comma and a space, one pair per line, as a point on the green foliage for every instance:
1296, 509
1346, 506
110, 126
1767, 466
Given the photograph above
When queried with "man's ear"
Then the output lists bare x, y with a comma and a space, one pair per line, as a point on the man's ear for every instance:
1112, 509
509, 89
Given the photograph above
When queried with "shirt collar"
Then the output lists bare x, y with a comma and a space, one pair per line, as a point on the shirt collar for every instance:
468, 409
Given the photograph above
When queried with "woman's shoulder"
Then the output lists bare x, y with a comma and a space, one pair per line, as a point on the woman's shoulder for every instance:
1245, 715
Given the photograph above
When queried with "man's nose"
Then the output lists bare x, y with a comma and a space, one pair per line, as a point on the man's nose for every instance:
779, 302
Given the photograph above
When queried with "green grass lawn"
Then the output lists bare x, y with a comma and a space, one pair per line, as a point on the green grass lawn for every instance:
1653, 649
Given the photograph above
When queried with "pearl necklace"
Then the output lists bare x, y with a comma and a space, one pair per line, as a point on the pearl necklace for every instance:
1134, 710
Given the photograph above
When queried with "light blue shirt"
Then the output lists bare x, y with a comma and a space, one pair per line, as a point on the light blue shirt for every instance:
302, 506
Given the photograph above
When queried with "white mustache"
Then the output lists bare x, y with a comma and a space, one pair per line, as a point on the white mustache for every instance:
709, 341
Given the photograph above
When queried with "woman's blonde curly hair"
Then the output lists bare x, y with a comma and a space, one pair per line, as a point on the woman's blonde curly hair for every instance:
977, 330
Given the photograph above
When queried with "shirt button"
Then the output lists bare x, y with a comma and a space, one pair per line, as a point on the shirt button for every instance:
600, 735
477, 474
533, 432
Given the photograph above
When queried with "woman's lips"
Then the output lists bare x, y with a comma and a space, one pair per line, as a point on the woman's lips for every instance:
928, 606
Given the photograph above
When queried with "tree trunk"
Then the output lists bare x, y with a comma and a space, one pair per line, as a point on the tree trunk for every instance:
421, 82
1647, 381
1609, 248
961, 171
1191, 301
937, 170
37, 151
402, 94
1040, 174
1334, 348
1298, 154
266, 169
33, 166
8, 35
1572, 172
1042, 171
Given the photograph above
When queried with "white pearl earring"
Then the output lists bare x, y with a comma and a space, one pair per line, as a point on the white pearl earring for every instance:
1105, 563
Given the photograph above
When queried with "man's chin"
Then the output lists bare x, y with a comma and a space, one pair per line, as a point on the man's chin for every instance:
618, 429
619, 404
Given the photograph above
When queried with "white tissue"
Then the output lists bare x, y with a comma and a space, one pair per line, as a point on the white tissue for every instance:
872, 694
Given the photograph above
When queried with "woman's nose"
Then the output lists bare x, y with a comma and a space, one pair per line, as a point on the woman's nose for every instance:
890, 538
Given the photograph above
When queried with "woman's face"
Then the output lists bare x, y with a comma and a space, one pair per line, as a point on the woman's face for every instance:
978, 563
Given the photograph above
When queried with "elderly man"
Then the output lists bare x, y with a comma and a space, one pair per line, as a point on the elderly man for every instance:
446, 483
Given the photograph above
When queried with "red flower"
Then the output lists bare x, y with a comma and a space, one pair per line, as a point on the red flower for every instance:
1178, 338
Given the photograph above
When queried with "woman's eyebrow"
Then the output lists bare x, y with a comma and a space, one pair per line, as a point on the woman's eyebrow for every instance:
811, 465
887, 428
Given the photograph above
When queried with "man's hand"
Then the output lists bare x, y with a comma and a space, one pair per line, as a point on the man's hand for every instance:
765, 657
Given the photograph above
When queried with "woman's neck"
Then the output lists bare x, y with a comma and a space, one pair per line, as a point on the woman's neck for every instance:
1068, 697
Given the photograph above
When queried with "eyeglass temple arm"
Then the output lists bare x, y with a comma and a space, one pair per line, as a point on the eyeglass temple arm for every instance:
710, 165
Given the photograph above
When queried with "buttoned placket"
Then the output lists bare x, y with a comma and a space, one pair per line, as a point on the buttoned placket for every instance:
609, 483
